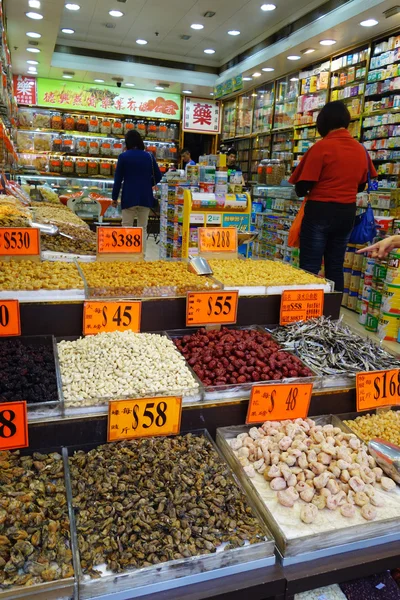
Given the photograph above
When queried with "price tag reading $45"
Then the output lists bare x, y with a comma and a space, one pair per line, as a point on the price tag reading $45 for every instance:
211, 308
19, 241
111, 316
279, 402
218, 239
377, 388
119, 240
144, 417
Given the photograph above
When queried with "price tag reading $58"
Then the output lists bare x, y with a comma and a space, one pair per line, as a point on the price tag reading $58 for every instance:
377, 388
144, 417
19, 241
13, 425
111, 316
218, 239
119, 240
211, 308
279, 402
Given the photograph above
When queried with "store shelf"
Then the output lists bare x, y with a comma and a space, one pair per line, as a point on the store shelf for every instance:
88, 134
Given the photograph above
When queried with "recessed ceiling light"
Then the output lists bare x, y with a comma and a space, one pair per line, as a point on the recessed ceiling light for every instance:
293, 57
209, 51
99, 80
369, 23
267, 7
268, 69
294, 79
33, 50
327, 42
141, 42
34, 15
130, 85
308, 51
32, 62
33, 34
115, 13
159, 88
34, 3
247, 78
211, 93
32, 69
234, 32
69, 31
197, 26
254, 94
67, 76
256, 74
71, 6
186, 92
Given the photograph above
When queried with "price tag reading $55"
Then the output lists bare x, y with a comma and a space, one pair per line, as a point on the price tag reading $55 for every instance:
111, 316
119, 240
211, 308
279, 402
377, 388
144, 417
218, 239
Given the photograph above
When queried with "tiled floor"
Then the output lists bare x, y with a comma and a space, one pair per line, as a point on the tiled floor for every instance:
351, 318
152, 249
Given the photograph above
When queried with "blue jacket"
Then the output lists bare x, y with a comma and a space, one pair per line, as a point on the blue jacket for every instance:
139, 172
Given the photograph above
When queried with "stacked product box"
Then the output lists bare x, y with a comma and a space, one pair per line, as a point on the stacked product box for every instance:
171, 216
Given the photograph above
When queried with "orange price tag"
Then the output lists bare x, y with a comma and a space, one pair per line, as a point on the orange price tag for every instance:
111, 316
19, 241
377, 388
301, 305
144, 417
119, 240
13, 425
10, 322
279, 402
218, 239
211, 308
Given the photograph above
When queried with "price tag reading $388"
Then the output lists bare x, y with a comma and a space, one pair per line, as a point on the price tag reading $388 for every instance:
377, 388
19, 241
119, 240
144, 417
279, 402
211, 308
111, 316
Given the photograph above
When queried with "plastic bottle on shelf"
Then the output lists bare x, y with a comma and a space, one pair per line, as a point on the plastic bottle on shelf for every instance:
173, 132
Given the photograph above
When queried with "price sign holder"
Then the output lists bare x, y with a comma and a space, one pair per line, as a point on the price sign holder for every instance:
10, 321
279, 402
19, 243
376, 389
119, 243
211, 308
301, 305
218, 242
101, 316
144, 417
13, 425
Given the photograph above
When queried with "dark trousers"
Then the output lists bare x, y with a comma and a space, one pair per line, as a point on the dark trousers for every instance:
325, 232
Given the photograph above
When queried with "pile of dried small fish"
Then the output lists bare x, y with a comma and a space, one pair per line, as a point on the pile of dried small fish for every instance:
148, 501
331, 348
34, 523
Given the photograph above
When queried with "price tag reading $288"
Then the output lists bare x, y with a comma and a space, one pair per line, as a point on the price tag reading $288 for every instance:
211, 308
377, 388
111, 316
119, 240
19, 241
218, 239
279, 402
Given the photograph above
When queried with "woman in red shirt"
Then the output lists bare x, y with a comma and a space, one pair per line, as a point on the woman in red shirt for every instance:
330, 174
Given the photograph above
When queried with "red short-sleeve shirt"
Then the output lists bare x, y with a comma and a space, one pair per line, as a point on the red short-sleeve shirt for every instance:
338, 164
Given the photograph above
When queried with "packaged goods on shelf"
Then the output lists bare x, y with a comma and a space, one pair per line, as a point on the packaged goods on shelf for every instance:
229, 119
384, 425
324, 504
244, 115
28, 276
287, 90
263, 108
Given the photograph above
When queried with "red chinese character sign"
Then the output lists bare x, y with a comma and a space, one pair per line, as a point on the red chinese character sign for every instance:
25, 90
201, 116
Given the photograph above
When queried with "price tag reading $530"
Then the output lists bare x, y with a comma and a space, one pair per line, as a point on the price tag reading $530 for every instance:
218, 239
19, 241
111, 316
211, 308
279, 402
377, 388
119, 240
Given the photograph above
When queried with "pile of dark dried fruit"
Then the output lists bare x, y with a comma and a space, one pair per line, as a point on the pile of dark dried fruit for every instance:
27, 372
148, 501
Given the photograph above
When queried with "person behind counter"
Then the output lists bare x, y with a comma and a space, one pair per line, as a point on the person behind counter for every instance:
330, 175
231, 164
137, 172
186, 158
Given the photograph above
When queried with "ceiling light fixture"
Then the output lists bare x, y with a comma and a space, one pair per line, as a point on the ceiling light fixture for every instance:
257, 74
233, 32
209, 14
33, 34
247, 78
72, 6
33, 50
186, 92
369, 23
209, 51
197, 26
34, 15
99, 80
32, 69
294, 79
327, 42
69, 31
254, 95
294, 57
67, 76
141, 42
268, 7
34, 3
115, 13
308, 51
130, 85
32, 62
159, 88
268, 69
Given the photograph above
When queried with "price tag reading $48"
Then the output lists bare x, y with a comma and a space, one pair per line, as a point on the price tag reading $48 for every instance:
10, 323
301, 305
13, 425
377, 388
279, 402
144, 417
119, 240
211, 308
218, 239
19, 241
111, 316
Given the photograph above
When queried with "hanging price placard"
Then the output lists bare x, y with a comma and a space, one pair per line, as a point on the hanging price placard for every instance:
377, 388
301, 305
144, 417
10, 322
211, 308
111, 316
19, 241
119, 240
218, 239
279, 402
13, 425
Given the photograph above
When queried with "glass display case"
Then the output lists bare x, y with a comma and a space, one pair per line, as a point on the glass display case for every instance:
263, 108
261, 149
229, 119
244, 115
243, 156
282, 149
286, 93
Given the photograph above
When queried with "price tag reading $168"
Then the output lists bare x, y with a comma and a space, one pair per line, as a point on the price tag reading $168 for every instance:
377, 388
13, 425
144, 417
279, 402
218, 239
119, 240
19, 241
10, 323
111, 316
211, 308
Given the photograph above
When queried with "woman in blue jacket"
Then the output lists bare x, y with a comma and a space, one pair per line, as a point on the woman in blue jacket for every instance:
137, 172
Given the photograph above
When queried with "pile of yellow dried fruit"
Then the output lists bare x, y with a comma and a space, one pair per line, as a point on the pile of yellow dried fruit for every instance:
29, 275
259, 273
384, 425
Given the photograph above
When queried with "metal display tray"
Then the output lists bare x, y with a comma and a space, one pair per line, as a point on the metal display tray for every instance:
173, 574
241, 390
309, 542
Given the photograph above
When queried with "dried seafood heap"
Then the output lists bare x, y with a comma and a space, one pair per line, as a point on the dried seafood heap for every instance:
149, 501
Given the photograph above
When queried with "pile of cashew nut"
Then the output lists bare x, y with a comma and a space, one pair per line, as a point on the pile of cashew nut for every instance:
319, 464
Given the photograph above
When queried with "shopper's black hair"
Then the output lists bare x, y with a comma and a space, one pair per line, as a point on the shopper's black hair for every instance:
232, 151
334, 115
185, 150
133, 140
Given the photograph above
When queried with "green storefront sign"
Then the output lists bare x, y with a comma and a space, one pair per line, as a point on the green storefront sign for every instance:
75, 96
234, 84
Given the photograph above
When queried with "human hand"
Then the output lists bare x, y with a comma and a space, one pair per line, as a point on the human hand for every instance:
383, 248
115, 203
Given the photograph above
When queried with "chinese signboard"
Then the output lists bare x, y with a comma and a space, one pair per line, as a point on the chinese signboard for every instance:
234, 84
72, 95
25, 89
201, 116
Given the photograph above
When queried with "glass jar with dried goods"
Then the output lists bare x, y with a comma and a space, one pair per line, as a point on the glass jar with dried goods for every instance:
118, 147
56, 121
152, 130
81, 166
68, 144
55, 164
105, 148
128, 125
82, 123
94, 147
82, 146
93, 166
67, 165
69, 123
105, 125
141, 128
57, 145
94, 124
117, 127
105, 168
